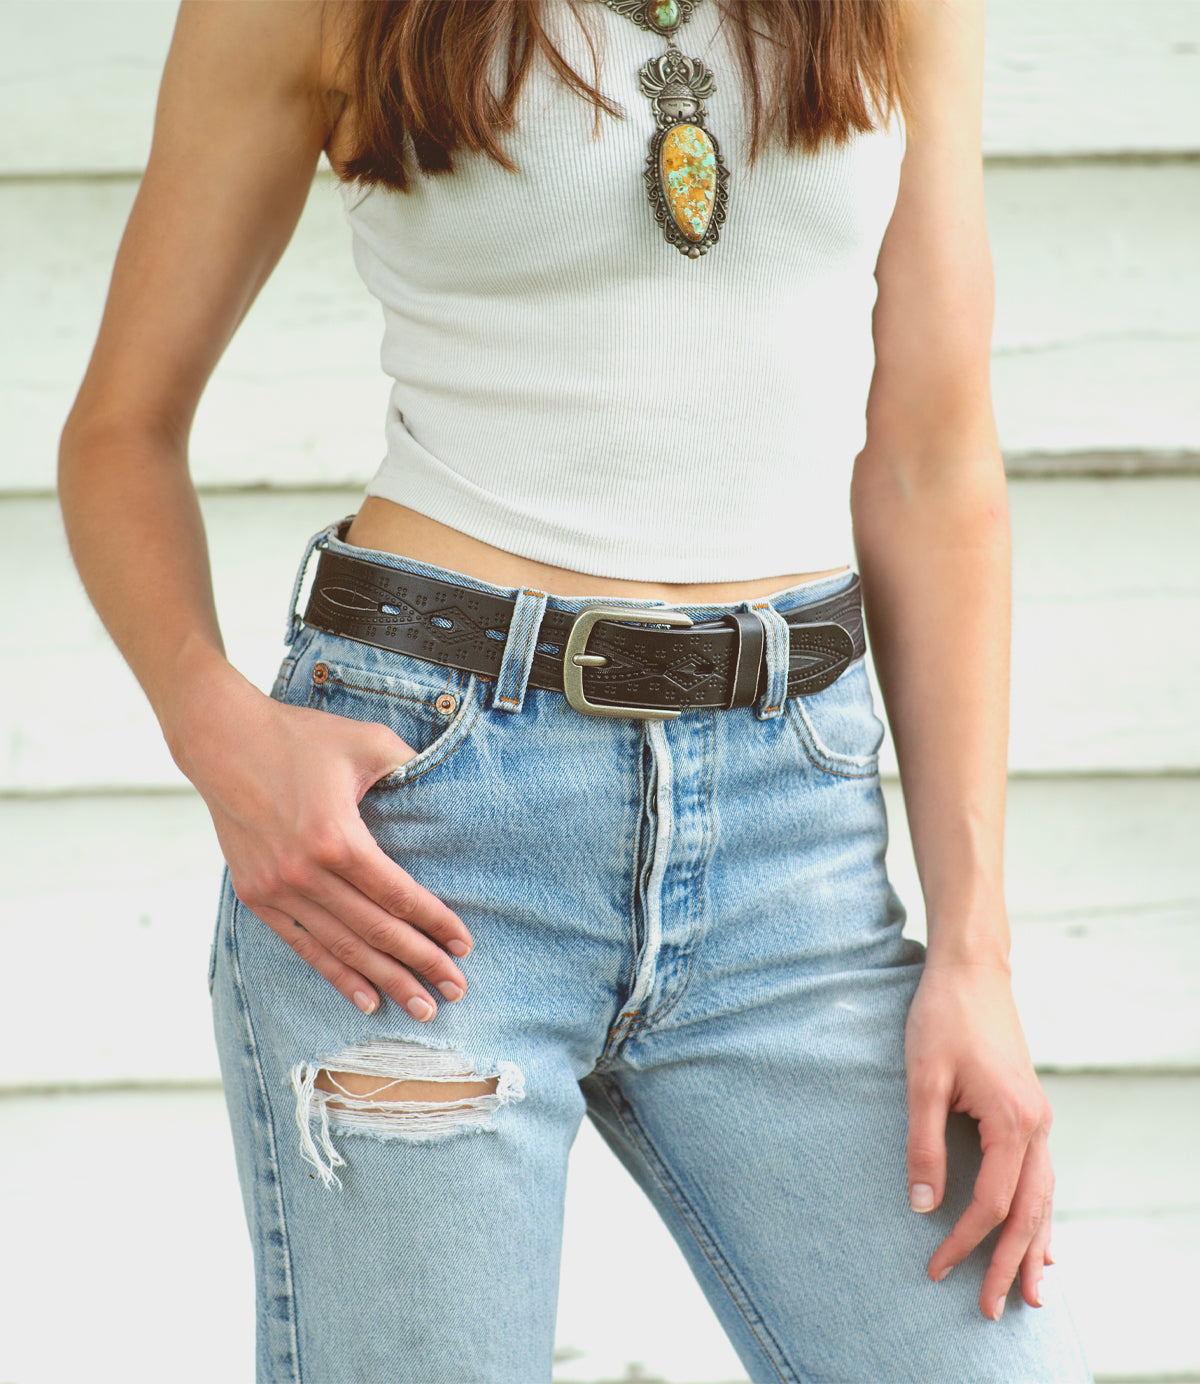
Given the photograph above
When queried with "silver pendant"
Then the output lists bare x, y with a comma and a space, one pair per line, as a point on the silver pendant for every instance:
686, 179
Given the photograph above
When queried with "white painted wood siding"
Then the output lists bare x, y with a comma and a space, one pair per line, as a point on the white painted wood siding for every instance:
1097, 346
1104, 892
1064, 77
1106, 643
127, 1203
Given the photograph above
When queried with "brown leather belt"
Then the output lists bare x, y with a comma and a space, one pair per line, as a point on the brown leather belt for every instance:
632, 668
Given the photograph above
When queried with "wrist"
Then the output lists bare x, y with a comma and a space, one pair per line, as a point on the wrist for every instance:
205, 686
970, 938
939, 963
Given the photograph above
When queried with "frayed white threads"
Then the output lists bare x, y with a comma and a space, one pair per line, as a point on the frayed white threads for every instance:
415, 1120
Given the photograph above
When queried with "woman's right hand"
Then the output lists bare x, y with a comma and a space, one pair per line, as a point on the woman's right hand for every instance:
283, 784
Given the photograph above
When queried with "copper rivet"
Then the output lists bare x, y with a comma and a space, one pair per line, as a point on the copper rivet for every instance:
446, 703
320, 672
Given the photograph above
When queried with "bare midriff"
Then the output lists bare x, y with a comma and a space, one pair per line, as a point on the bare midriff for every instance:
391, 528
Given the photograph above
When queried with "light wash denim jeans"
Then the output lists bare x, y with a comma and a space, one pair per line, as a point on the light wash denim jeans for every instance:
684, 930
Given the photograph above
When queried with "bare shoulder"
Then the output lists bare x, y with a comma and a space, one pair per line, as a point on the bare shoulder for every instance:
272, 45
942, 63
265, 53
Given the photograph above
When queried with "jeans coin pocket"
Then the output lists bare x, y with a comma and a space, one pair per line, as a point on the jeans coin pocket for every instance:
838, 727
430, 707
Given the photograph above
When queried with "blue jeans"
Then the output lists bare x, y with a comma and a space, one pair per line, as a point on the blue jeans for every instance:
684, 930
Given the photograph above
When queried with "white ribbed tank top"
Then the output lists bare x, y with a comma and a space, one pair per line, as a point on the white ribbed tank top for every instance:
570, 388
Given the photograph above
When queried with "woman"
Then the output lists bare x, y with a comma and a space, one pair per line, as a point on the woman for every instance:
582, 685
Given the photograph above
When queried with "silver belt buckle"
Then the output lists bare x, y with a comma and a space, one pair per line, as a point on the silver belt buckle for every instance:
576, 658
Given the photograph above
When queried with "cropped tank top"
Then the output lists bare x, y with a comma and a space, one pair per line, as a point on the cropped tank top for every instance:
567, 386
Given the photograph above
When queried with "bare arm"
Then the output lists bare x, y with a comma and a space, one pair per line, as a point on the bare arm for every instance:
243, 114
932, 536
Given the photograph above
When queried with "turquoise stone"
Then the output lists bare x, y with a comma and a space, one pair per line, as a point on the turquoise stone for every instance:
688, 170
666, 14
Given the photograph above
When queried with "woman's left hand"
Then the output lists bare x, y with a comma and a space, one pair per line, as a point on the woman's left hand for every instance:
965, 1051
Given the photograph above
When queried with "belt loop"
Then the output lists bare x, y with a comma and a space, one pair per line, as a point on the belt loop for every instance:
294, 620
778, 638
519, 649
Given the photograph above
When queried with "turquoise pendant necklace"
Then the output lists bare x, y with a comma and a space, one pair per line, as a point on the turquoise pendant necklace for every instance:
686, 178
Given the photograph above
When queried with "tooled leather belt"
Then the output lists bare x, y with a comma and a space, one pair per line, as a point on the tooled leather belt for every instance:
606, 659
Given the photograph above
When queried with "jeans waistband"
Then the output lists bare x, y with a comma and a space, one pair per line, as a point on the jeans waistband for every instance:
529, 608
786, 598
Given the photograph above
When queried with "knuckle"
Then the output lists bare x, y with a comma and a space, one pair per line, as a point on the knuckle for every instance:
250, 893
381, 933
254, 886
328, 847
922, 1152
293, 870
437, 921
1027, 1118
1028, 1221
926, 1086
994, 1208
345, 947
1017, 1122
384, 736
433, 965
305, 947
400, 900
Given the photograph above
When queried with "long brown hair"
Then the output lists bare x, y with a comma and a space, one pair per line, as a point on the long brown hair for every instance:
418, 70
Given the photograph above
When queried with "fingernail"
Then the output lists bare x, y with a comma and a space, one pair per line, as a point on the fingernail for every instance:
920, 1196
459, 949
451, 991
998, 1310
1037, 1293
365, 1002
419, 1008
1049, 1255
944, 1273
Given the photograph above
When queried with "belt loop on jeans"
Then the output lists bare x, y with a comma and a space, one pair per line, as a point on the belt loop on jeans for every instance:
519, 648
778, 637
295, 620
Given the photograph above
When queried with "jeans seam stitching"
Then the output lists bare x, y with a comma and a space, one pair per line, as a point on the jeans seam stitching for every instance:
382, 692
615, 1029
867, 770
673, 999
460, 738
691, 1218
856, 760
291, 661
297, 1371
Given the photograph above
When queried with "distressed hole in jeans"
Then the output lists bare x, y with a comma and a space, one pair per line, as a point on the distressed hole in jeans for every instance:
395, 1089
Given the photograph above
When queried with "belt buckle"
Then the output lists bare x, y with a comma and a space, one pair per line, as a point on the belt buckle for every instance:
576, 658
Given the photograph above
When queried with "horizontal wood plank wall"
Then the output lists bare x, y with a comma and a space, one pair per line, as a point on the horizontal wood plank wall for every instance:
1103, 893
1107, 600
1092, 134
1097, 344
1063, 79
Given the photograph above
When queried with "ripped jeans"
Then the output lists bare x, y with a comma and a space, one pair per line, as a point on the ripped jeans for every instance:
684, 930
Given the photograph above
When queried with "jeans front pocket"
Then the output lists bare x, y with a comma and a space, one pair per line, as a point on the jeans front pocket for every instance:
430, 707
838, 728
